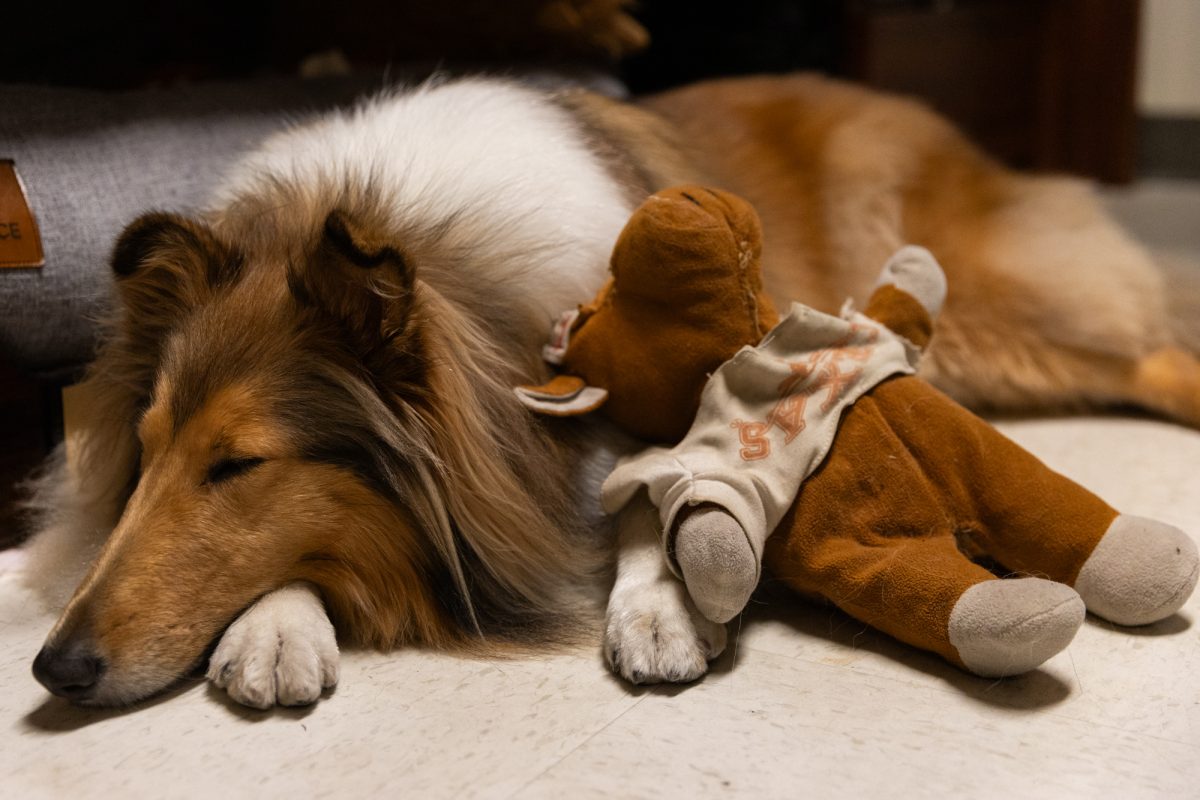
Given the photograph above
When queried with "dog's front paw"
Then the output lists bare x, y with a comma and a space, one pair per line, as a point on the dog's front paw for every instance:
654, 634
282, 650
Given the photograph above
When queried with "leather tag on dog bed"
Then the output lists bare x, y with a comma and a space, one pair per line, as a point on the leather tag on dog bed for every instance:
20, 242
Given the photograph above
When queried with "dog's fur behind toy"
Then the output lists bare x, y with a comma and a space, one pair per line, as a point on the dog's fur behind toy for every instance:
309, 383
1051, 305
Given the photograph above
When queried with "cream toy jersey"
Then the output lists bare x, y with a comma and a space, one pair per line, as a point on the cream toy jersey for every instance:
878, 491
767, 418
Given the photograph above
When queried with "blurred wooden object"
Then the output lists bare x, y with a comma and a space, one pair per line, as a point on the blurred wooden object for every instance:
1042, 84
135, 43
379, 32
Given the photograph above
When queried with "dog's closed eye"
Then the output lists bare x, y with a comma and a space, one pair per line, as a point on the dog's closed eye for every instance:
228, 468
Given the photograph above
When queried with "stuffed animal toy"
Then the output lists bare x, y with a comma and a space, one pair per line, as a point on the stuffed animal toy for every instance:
881, 491
685, 295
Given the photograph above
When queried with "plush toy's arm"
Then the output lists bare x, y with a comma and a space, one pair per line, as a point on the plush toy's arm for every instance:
909, 294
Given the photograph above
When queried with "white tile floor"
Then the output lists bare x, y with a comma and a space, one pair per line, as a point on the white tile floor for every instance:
807, 702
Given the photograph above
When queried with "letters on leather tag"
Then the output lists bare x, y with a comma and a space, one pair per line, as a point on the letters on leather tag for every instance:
20, 242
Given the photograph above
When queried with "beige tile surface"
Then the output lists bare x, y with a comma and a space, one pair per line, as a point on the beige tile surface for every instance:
776, 728
418, 722
810, 704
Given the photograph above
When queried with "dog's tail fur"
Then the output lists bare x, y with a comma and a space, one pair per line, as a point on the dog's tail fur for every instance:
1181, 275
1167, 381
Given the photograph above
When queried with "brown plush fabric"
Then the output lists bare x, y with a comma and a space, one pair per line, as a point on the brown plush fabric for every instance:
902, 313
686, 294
876, 529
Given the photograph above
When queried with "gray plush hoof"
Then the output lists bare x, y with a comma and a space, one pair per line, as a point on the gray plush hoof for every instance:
718, 563
1142, 571
1008, 627
914, 270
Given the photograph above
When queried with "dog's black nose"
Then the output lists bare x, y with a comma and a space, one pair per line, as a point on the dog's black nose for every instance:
70, 672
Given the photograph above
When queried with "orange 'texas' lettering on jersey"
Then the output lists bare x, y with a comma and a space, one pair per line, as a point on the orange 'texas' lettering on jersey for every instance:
869, 334
857, 353
788, 412
836, 382
801, 371
788, 416
753, 435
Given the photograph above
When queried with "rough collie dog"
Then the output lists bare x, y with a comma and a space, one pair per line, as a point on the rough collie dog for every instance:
302, 409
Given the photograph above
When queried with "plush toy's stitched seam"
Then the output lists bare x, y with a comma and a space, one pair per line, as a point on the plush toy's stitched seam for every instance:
748, 297
1033, 619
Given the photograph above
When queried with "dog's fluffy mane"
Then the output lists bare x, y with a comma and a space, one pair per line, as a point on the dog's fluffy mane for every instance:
480, 235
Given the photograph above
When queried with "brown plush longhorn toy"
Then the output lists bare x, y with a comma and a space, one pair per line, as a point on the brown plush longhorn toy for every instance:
879, 489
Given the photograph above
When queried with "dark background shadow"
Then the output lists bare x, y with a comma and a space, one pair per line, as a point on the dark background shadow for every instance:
56, 715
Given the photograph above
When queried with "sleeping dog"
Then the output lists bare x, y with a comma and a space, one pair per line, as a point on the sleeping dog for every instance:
301, 415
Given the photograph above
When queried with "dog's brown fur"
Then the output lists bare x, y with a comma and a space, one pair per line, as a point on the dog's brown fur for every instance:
302, 406
306, 405
1051, 306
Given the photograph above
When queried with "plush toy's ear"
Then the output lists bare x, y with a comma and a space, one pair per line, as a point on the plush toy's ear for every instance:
361, 280
564, 396
165, 264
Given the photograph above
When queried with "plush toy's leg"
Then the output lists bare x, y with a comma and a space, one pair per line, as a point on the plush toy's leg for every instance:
1034, 521
1008, 627
719, 563
1140, 572
1130, 570
925, 592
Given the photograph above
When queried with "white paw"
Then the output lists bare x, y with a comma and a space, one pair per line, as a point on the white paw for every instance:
655, 635
282, 650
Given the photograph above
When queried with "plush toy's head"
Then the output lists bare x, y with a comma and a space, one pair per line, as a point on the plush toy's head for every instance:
685, 295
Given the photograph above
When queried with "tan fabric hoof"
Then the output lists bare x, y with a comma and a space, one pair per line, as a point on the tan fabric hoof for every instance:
1008, 627
719, 565
1142, 571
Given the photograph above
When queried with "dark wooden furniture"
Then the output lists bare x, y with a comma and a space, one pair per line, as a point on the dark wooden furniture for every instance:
1043, 84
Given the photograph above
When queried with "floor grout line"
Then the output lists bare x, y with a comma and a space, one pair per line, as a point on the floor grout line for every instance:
570, 752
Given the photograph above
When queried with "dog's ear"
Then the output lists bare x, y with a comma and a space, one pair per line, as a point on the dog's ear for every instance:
165, 264
361, 280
